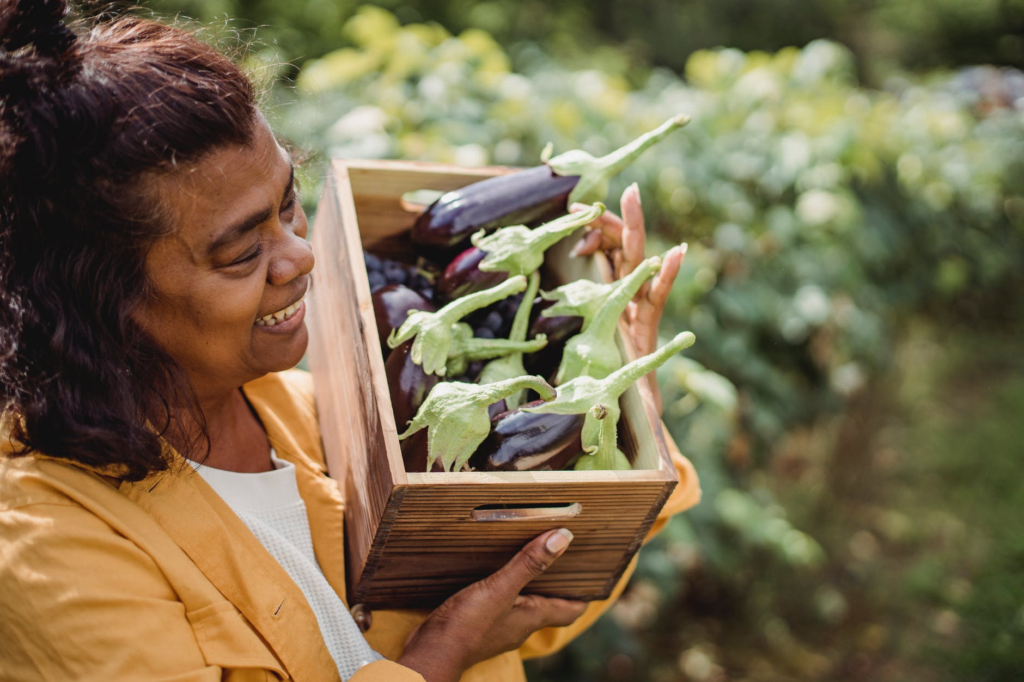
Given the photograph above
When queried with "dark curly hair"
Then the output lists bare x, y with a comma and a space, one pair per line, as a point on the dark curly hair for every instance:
89, 115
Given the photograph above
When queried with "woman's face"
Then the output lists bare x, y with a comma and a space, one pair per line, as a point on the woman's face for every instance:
228, 284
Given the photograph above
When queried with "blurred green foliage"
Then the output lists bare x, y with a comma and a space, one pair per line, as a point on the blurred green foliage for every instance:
912, 34
822, 216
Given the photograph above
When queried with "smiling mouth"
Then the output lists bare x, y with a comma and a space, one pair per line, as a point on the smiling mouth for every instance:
281, 315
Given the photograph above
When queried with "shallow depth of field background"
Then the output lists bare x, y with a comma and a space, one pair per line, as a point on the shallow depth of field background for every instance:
852, 190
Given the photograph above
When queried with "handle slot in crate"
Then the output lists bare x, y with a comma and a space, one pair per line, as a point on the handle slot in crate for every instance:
532, 511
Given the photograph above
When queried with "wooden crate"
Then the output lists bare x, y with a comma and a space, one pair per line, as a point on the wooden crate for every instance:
414, 539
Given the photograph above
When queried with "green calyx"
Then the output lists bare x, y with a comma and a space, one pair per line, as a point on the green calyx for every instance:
433, 331
593, 351
456, 419
580, 395
606, 455
582, 298
466, 348
594, 173
511, 365
518, 250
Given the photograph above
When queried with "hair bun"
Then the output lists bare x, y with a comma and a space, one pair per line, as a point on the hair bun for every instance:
39, 23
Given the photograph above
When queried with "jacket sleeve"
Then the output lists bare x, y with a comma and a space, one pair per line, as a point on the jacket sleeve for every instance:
386, 671
686, 495
101, 610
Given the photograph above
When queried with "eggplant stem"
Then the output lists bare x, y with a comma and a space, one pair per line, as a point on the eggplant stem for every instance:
606, 319
500, 390
623, 378
459, 308
486, 349
594, 173
521, 322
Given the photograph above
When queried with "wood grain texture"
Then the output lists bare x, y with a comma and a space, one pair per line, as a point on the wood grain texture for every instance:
412, 539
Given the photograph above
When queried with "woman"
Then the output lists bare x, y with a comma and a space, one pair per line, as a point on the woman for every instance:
153, 262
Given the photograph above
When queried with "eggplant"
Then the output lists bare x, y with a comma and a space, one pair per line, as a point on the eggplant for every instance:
523, 441
519, 198
466, 348
511, 365
594, 351
464, 276
391, 306
557, 329
408, 384
455, 416
606, 456
513, 250
598, 399
434, 331
531, 195
414, 453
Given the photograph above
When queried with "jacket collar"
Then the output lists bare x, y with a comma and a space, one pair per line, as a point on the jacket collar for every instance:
231, 557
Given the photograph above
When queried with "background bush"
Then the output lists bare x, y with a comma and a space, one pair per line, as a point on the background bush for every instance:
854, 269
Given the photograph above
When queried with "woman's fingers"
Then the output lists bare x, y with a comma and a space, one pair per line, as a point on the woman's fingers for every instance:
623, 238
590, 243
530, 562
545, 612
634, 234
661, 284
605, 233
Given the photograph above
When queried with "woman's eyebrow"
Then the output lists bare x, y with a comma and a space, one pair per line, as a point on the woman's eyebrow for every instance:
248, 223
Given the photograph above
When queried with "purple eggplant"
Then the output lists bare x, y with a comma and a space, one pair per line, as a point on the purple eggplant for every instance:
529, 196
391, 305
414, 453
558, 330
513, 250
519, 198
408, 384
456, 418
523, 441
464, 276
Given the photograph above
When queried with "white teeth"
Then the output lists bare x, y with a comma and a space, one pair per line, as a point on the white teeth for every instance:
281, 315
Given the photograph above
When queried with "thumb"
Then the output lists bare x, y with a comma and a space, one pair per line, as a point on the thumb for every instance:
531, 561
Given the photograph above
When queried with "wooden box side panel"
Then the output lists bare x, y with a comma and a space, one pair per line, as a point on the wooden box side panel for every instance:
356, 431
437, 545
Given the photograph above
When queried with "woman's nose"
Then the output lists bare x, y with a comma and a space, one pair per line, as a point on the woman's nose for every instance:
294, 259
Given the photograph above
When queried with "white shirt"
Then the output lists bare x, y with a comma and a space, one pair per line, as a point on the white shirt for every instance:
269, 504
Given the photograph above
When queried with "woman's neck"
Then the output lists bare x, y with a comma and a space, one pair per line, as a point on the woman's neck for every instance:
238, 441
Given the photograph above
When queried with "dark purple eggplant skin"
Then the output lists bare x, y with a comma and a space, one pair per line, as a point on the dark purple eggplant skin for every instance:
515, 199
521, 441
414, 453
463, 276
558, 330
408, 384
391, 305
494, 409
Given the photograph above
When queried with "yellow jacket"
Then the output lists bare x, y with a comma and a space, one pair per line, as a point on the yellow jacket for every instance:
102, 579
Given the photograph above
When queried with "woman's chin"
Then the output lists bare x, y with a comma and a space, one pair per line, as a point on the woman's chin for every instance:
277, 352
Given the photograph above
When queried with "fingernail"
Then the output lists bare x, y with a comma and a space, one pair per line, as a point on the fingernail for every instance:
636, 189
683, 247
558, 541
576, 249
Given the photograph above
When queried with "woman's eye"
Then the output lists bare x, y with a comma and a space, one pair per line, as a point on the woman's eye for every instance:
252, 255
290, 203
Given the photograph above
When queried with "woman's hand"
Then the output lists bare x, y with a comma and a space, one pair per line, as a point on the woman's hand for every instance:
623, 240
490, 617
